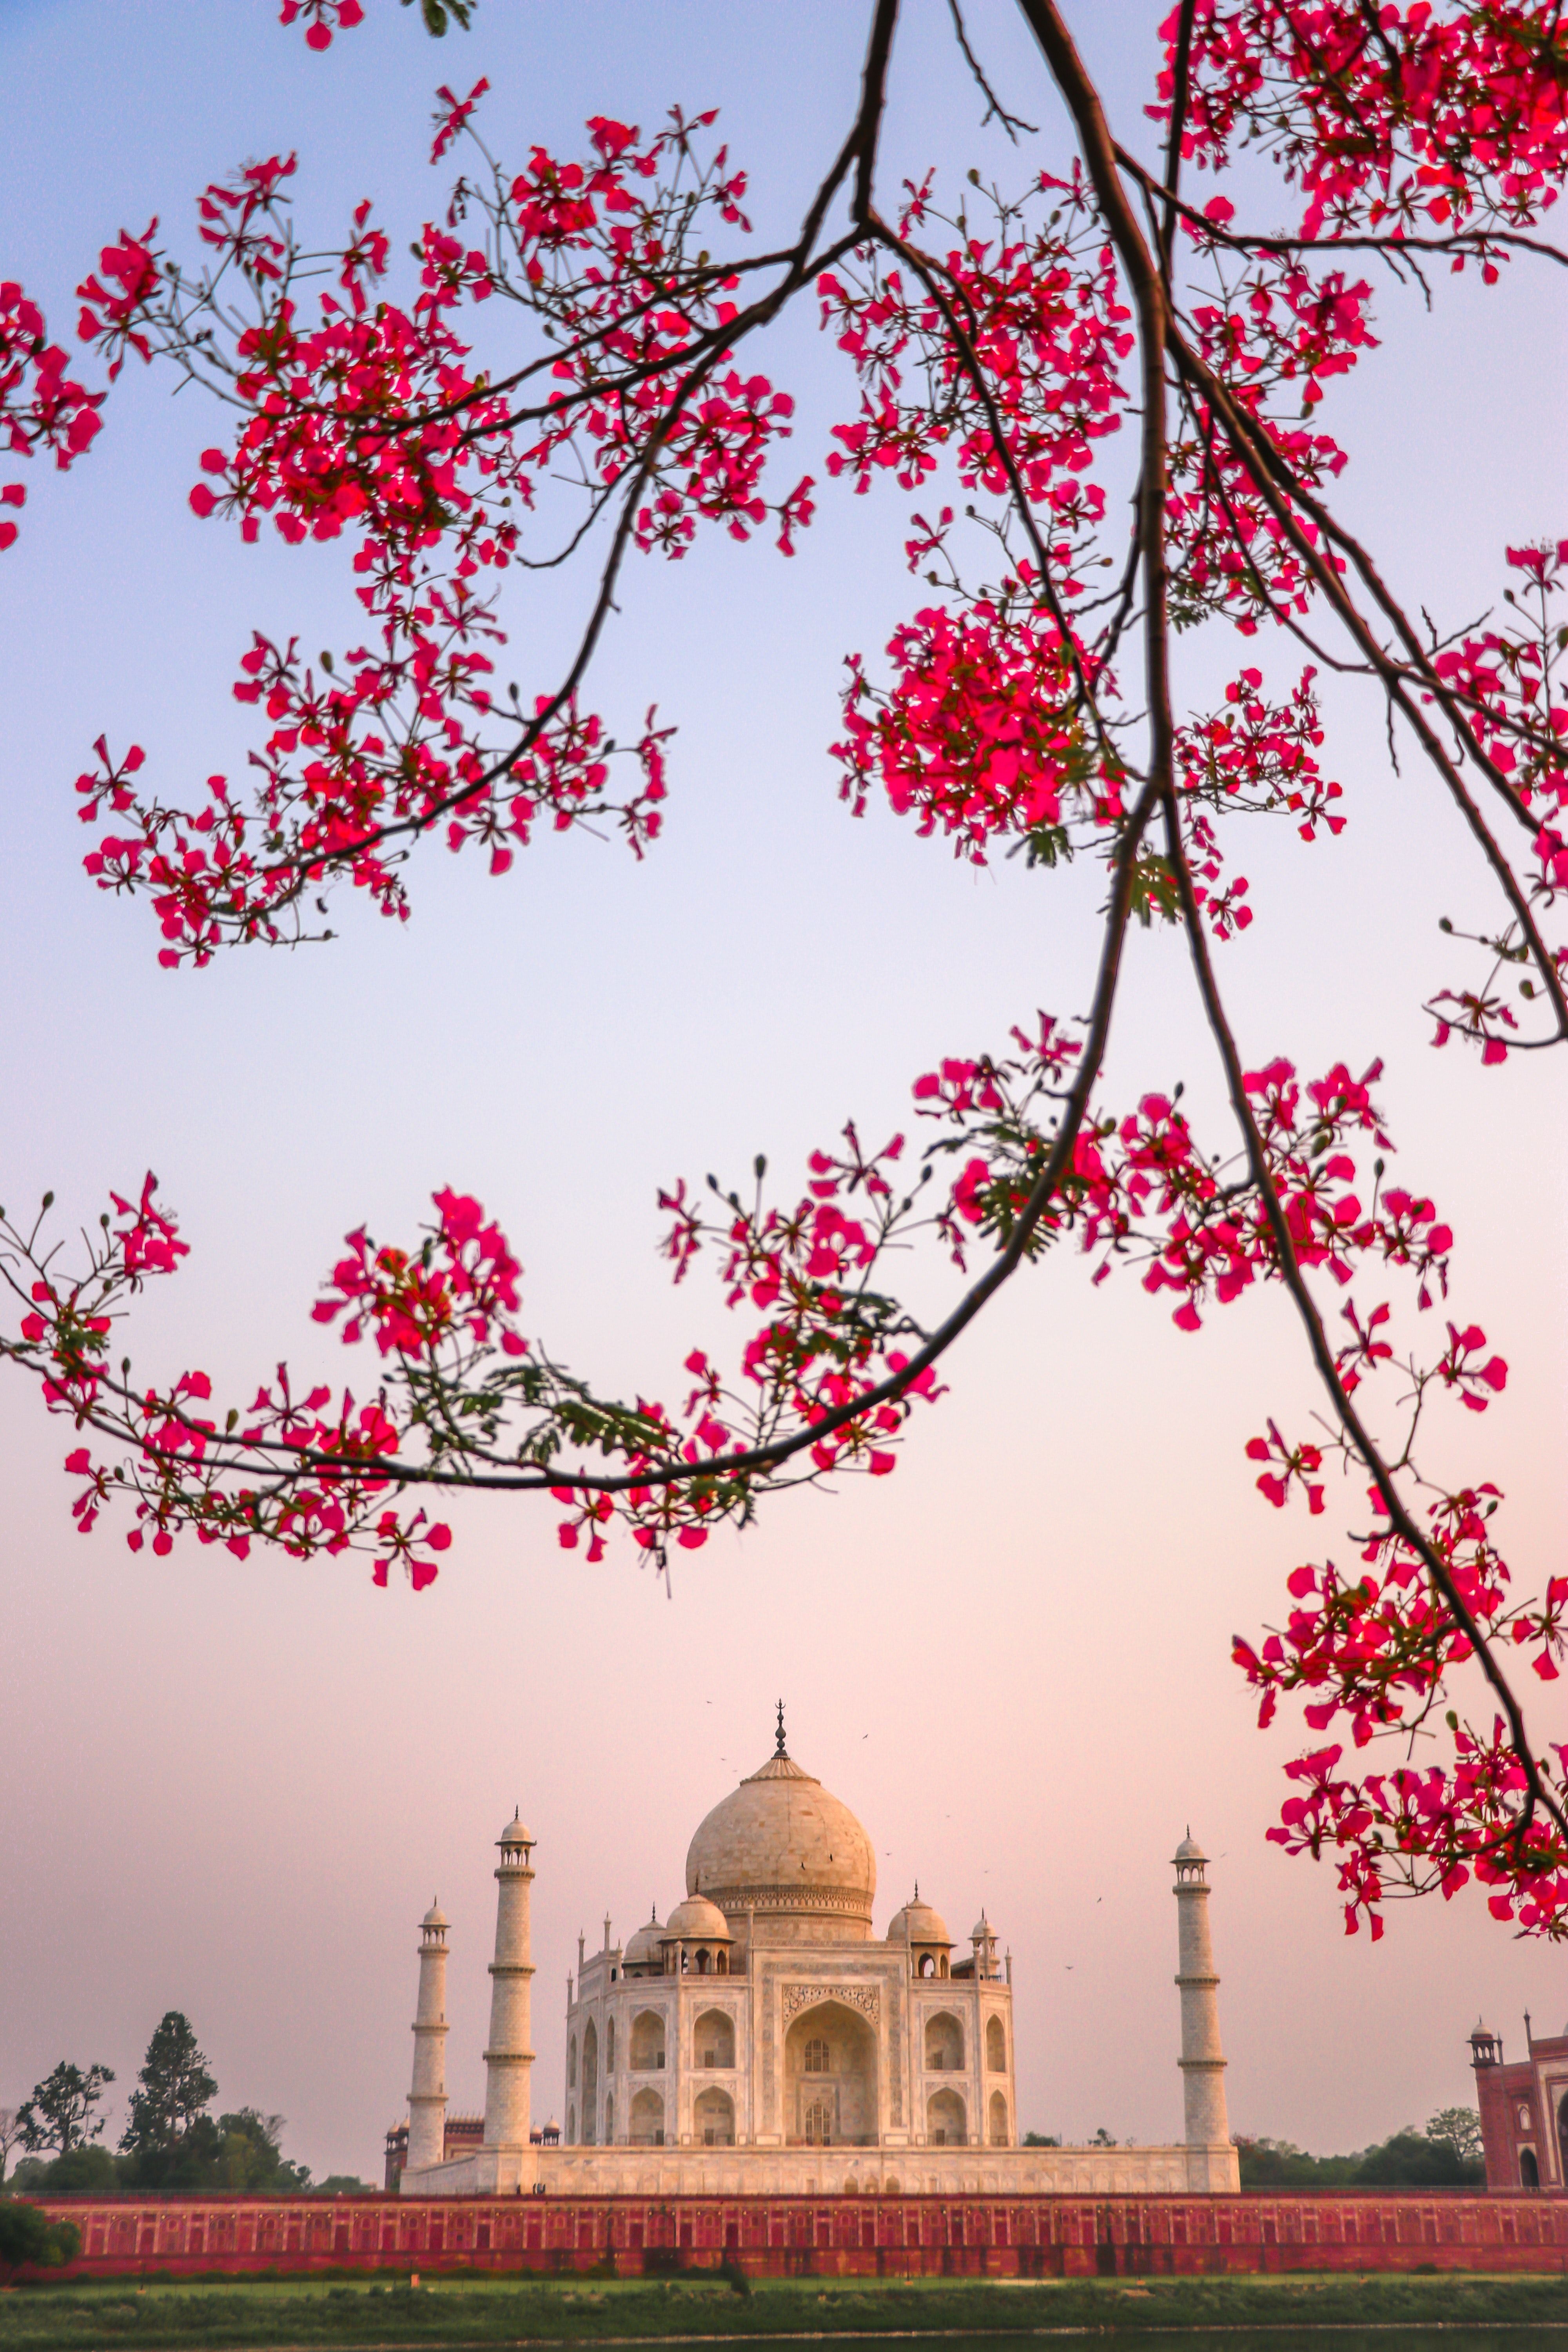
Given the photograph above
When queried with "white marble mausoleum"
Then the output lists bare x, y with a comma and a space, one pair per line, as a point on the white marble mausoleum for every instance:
763, 2038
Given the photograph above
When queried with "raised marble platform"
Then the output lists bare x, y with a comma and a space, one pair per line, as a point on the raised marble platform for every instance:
831, 2172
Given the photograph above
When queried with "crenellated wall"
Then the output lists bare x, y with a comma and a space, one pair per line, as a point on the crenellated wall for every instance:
968, 2234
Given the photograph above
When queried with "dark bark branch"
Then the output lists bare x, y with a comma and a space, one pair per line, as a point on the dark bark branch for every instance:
873, 99
1471, 241
1011, 124
860, 146
1269, 472
1153, 313
930, 271
1180, 91
1538, 1793
1154, 328
765, 1457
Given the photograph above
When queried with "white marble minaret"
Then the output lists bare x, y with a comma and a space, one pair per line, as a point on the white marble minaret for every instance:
509, 2059
1201, 2061
427, 2097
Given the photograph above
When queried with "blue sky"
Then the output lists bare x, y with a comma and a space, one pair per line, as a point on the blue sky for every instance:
233, 1789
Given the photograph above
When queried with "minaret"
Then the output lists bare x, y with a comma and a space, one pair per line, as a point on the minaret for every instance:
982, 1938
1201, 2061
428, 2095
508, 2058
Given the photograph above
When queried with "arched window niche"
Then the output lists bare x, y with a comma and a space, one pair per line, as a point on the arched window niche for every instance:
713, 2039
944, 2044
713, 2119
647, 2046
947, 2121
590, 2083
647, 2119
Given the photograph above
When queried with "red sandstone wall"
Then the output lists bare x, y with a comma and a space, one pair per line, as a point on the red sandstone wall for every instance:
847, 2236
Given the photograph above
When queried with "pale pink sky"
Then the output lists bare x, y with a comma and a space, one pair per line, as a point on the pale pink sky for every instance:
233, 1789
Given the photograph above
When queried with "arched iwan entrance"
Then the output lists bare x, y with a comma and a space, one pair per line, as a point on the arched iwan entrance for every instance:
830, 2078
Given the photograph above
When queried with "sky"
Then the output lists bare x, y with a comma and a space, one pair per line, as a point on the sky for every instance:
232, 1787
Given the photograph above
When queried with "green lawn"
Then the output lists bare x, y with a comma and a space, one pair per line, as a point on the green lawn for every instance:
458, 2311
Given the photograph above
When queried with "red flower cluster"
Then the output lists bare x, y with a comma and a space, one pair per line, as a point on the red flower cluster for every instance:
981, 734
465, 1278
41, 407
321, 18
374, 421
1388, 118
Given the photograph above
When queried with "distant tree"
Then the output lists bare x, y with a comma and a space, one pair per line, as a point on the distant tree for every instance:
349, 2184
1460, 2129
250, 2158
1102, 2138
175, 2087
1279, 2164
1042, 2139
58, 2113
94, 2169
29, 2236
1410, 2159
10, 2135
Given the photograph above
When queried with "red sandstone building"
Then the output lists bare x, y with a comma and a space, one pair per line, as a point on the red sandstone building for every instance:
463, 2133
1523, 2109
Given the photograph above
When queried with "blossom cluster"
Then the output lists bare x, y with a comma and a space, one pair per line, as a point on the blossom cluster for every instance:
41, 407
374, 420
1504, 685
1388, 119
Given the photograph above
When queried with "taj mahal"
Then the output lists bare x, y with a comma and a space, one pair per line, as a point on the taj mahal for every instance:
763, 2038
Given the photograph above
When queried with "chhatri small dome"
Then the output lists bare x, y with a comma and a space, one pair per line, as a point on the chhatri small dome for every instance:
917, 1923
982, 1931
779, 1844
697, 1921
514, 1833
434, 1917
1190, 1850
644, 1944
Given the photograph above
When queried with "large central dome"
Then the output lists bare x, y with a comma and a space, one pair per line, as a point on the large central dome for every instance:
781, 1847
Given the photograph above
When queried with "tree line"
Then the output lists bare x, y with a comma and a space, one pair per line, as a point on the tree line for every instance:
172, 2143
1446, 2155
